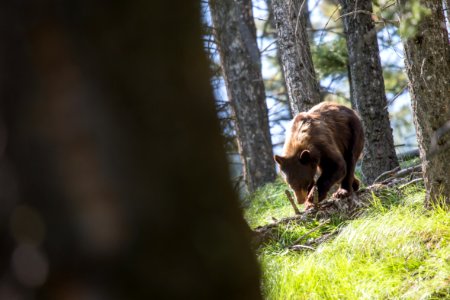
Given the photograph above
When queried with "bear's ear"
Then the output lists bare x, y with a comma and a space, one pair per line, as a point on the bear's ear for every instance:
279, 159
305, 157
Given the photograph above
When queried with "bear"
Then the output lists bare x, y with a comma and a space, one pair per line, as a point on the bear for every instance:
328, 138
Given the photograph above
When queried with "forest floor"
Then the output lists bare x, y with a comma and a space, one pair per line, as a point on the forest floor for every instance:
386, 247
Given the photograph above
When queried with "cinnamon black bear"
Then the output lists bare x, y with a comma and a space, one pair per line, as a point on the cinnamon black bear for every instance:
328, 137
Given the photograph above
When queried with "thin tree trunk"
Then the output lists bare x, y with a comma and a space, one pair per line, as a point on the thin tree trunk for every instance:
447, 9
283, 80
293, 44
350, 85
114, 181
271, 19
427, 60
309, 26
367, 88
235, 34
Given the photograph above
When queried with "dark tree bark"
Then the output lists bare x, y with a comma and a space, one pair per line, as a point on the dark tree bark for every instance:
293, 44
427, 60
367, 88
235, 35
114, 181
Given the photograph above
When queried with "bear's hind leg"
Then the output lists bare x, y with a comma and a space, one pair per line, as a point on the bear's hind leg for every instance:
355, 184
348, 183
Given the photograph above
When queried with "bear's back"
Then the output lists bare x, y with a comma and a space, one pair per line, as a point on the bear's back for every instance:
326, 125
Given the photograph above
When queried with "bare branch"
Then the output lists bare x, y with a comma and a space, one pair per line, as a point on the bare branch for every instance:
385, 174
301, 247
359, 11
291, 200
311, 231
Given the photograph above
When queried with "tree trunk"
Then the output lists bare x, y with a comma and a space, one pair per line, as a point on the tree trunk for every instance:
350, 86
114, 181
367, 88
427, 60
235, 34
279, 61
447, 8
293, 44
309, 26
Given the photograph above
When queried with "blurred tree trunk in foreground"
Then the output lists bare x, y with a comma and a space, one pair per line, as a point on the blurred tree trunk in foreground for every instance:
235, 34
427, 60
114, 181
293, 44
367, 88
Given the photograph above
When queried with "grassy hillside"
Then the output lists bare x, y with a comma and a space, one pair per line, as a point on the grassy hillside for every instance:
395, 250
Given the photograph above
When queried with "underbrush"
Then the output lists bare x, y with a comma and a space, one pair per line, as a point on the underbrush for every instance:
395, 250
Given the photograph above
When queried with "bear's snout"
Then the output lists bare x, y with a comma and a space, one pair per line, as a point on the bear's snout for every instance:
300, 196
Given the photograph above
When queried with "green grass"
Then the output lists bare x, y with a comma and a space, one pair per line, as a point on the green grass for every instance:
267, 203
409, 162
396, 250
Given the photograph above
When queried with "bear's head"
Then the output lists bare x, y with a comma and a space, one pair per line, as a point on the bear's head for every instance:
298, 171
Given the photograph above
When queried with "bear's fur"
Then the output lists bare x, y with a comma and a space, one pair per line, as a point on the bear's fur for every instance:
328, 137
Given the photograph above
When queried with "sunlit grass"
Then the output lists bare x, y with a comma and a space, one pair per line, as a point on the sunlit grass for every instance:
267, 203
396, 250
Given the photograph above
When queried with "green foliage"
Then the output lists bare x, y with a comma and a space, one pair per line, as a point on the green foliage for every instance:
396, 250
384, 8
395, 80
409, 163
413, 12
330, 58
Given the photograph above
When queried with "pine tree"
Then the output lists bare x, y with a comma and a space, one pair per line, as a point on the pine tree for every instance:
293, 43
427, 60
367, 88
235, 35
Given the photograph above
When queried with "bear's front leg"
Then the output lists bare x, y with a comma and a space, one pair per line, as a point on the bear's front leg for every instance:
318, 193
328, 179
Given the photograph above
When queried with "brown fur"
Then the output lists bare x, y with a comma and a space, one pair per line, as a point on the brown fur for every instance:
328, 137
